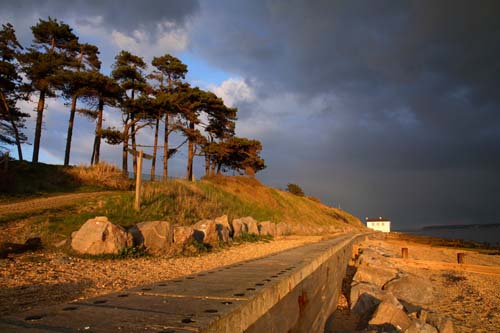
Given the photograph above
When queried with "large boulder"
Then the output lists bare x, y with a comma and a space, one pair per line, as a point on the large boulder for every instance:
99, 236
418, 326
412, 289
389, 318
155, 236
375, 275
444, 325
205, 231
223, 229
182, 235
366, 297
283, 229
251, 225
267, 228
238, 227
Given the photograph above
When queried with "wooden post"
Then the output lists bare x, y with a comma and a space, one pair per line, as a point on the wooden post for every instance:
137, 203
460, 258
404, 252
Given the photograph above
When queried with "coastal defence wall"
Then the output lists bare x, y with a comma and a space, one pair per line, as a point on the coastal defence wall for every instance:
307, 306
291, 291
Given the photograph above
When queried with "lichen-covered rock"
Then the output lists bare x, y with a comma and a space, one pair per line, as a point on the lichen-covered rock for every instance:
418, 326
412, 289
387, 317
375, 275
444, 325
205, 231
223, 229
267, 228
155, 236
182, 235
99, 236
283, 229
366, 297
238, 227
251, 225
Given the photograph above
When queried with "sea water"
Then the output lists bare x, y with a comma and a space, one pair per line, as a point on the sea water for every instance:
483, 233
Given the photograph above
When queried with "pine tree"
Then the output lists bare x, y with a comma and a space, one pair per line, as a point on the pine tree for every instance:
84, 59
11, 118
171, 70
128, 72
44, 63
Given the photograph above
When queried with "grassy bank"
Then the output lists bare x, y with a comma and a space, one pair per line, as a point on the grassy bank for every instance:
177, 201
25, 180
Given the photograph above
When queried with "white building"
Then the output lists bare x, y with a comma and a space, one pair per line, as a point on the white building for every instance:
379, 224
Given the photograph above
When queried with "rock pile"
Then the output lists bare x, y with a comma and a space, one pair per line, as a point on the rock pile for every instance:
386, 299
100, 236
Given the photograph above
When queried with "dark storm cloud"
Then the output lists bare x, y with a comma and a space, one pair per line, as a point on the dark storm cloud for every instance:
122, 15
416, 84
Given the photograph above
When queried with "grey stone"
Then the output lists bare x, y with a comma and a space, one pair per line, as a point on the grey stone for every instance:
223, 229
182, 235
205, 232
419, 326
412, 289
267, 228
283, 229
251, 225
444, 325
238, 227
389, 317
155, 236
375, 275
99, 236
366, 297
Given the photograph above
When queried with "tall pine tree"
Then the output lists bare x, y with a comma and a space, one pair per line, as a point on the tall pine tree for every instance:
84, 58
11, 118
44, 63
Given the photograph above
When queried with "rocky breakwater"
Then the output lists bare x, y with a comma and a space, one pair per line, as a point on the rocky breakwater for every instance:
384, 297
99, 236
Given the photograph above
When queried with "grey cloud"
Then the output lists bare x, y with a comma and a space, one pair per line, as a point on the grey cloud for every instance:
124, 15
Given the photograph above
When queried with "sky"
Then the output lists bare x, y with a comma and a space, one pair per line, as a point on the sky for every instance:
381, 108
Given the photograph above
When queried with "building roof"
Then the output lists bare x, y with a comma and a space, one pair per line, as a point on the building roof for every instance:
378, 219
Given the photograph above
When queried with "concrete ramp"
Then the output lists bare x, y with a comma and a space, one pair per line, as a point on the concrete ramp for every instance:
291, 291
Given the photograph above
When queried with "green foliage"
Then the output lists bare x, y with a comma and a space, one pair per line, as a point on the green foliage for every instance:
125, 253
295, 189
252, 238
242, 155
195, 247
12, 120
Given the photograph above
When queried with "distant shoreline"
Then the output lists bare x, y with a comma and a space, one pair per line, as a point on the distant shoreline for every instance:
488, 234
461, 226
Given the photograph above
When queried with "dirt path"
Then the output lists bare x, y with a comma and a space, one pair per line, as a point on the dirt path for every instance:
49, 202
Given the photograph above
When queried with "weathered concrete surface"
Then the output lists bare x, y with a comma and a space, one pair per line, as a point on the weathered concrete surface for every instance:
295, 290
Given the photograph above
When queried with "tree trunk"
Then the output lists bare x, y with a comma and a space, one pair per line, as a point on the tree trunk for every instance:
98, 128
125, 138
132, 134
38, 129
70, 130
165, 149
207, 165
219, 168
189, 173
155, 147
213, 166
14, 126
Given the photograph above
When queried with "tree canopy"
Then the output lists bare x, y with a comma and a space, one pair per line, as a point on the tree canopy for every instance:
58, 65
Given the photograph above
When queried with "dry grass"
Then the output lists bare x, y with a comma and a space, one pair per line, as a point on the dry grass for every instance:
103, 175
